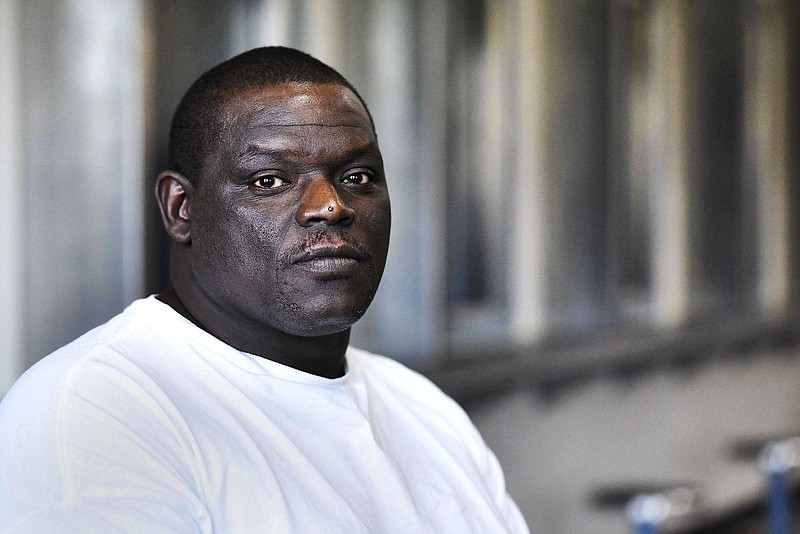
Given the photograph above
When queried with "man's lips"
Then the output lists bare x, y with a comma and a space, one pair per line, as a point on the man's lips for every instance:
329, 258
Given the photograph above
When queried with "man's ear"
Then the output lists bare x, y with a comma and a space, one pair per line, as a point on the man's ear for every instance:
174, 195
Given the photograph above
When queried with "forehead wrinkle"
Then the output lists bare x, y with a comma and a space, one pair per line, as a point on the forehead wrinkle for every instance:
276, 136
277, 131
255, 150
306, 124
314, 114
281, 127
276, 122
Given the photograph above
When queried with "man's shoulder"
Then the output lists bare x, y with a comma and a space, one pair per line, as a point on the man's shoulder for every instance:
89, 415
95, 353
381, 367
105, 383
408, 387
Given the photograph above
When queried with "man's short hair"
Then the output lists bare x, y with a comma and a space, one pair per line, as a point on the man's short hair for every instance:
197, 122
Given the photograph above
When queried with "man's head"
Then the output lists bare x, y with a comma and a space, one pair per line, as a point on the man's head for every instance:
277, 201
197, 123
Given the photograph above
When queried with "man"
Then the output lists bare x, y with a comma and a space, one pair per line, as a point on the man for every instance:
231, 403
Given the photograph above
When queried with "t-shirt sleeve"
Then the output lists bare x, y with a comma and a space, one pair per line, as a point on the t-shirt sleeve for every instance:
490, 469
95, 448
445, 418
495, 482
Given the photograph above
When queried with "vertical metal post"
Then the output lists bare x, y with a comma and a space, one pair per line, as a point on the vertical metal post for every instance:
776, 461
531, 242
779, 517
646, 528
81, 132
11, 200
766, 142
663, 117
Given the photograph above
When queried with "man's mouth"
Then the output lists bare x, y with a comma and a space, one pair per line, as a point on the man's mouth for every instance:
329, 258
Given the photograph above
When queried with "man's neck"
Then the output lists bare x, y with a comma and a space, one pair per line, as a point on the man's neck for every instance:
321, 355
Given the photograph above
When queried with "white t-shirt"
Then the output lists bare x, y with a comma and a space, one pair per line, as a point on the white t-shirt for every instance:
149, 424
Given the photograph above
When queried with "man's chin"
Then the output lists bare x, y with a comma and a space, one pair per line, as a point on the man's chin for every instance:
316, 327
321, 315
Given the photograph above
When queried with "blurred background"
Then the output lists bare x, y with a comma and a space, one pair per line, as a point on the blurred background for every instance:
596, 214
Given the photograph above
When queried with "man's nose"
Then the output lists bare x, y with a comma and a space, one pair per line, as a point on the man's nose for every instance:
321, 203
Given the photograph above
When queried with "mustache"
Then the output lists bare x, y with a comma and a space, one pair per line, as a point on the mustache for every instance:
321, 237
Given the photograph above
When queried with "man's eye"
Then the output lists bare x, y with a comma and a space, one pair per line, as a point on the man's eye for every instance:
269, 181
358, 178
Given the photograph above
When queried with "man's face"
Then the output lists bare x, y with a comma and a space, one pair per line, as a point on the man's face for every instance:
290, 220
